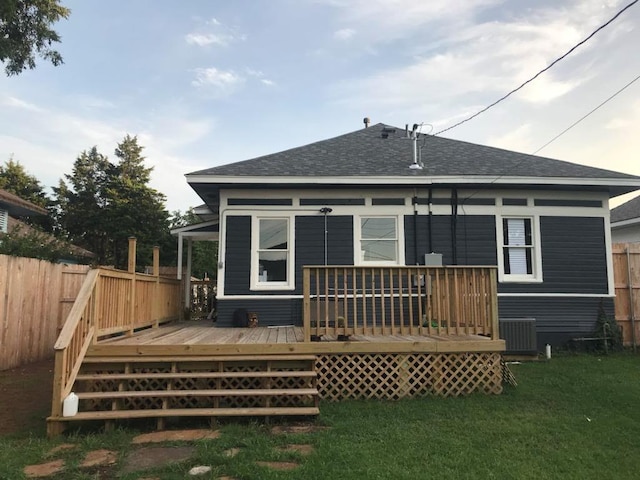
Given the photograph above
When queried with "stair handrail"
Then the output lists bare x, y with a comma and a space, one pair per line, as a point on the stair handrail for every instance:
74, 340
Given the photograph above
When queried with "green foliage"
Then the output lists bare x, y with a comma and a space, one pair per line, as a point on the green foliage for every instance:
608, 329
204, 254
32, 243
25, 29
102, 203
15, 179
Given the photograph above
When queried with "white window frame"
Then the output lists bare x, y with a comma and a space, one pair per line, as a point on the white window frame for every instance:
358, 259
536, 251
4, 221
289, 284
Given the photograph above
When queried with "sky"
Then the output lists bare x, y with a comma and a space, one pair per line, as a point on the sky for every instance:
206, 83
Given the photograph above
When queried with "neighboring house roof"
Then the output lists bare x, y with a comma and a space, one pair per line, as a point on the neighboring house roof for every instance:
628, 212
17, 206
381, 154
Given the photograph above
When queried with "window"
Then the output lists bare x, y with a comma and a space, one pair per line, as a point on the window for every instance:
520, 252
271, 266
378, 240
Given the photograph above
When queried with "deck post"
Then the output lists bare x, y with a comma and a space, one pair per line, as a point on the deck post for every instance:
306, 303
493, 309
156, 288
187, 278
131, 268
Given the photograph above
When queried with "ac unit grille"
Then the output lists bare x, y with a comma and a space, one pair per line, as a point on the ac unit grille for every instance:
519, 335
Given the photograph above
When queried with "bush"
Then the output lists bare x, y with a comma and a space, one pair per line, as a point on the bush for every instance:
32, 243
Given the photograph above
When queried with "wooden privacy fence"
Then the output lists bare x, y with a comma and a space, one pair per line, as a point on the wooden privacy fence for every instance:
111, 302
626, 273
408, 300
35, 298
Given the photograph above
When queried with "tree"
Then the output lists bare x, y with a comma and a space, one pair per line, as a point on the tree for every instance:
15, 179
25, 29
81, 206
101, 204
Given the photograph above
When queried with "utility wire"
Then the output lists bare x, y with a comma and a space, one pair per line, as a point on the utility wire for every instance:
540, 72
585, 116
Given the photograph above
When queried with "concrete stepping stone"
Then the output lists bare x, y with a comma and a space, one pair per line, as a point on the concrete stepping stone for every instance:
279, 465
99, 458
200, 470
302, 449
150, 457
176, 435
44, 469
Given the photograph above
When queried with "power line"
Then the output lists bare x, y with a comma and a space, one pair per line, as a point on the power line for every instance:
540, 72
585, 116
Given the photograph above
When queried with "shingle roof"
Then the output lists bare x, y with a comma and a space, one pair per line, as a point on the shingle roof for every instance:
366, 153
626, 211
18, 206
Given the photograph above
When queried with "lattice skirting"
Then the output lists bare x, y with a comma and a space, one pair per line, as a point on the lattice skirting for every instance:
393, 375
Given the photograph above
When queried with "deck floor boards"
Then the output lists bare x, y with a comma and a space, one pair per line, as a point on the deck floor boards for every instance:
196, 332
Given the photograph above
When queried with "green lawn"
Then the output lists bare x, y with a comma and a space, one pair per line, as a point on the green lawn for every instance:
573, 417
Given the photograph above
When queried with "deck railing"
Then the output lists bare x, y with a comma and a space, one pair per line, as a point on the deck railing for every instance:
412, 300
110, 302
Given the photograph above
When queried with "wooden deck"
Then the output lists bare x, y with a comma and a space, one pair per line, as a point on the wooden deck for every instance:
202, 338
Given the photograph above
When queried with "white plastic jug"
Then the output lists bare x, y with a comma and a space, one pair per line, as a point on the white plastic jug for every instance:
70, 405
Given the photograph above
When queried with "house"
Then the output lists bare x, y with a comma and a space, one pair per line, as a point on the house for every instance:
13, 209
625, 222
384, 196
12, 206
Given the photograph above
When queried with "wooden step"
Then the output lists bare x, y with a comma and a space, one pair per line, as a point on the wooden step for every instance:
199, 393
170, 375
198, 358
191, 412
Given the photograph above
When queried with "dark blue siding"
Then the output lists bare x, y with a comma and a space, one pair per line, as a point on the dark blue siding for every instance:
274, 311
558, 319
237, 261
310, 242
475, 234
574, 258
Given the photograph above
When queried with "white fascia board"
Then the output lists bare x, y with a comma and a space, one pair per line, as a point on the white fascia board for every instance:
413, 180
195, 226
625, 223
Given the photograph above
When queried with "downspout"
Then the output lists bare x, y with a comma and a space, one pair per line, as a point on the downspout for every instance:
325, 211
415, 227
454, 225
631, 301
430, 222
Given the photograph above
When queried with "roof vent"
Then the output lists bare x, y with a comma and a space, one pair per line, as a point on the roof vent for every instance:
366, 122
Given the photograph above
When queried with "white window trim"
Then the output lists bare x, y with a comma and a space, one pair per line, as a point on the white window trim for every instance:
255, 240
536, 276
357, 238
4, 221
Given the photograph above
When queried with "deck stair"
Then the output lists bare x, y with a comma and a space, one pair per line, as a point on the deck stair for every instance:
122, 387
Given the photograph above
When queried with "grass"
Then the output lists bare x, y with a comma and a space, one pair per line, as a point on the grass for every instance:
575, 417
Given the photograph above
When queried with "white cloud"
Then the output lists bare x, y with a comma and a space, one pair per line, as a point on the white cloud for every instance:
344, 34
14, 102
268, 82
203, 40
223, 80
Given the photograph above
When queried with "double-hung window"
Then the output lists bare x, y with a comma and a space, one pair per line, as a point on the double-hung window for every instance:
520, 253
379, 240
271, 266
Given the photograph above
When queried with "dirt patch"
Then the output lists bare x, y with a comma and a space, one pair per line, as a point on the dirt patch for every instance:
232, 452
25, 398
